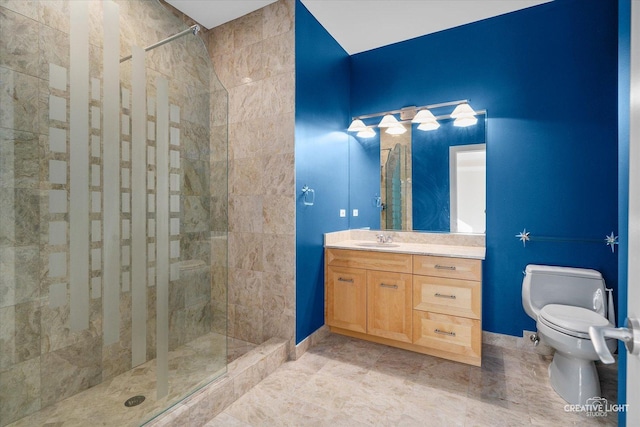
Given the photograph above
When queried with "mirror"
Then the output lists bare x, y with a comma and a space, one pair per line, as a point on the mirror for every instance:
421, 180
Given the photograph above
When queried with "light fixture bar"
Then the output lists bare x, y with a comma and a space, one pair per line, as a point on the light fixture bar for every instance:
442, 117
428, 107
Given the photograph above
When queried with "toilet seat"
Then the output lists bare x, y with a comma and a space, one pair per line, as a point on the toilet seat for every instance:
571, 320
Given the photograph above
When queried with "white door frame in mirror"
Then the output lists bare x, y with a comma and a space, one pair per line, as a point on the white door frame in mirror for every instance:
467, 192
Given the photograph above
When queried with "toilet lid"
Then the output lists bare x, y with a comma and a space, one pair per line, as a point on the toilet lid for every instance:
571, 318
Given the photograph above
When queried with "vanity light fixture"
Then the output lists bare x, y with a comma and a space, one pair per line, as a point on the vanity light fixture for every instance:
464, 115
426, 120
397, 129
387, 121
429, 125
463, 122
357, 125
366, 133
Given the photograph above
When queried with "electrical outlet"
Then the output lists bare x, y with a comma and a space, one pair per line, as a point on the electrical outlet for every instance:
355, 212
343, 213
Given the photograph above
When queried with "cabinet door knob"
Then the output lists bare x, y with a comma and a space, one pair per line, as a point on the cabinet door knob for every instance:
384, 285
342, 279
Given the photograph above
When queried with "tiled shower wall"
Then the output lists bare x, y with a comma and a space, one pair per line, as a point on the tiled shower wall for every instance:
42, 360
254, 58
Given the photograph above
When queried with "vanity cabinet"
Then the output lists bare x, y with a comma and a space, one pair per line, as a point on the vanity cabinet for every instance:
428, 304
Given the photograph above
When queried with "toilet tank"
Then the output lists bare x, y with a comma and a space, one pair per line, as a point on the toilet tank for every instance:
545, 284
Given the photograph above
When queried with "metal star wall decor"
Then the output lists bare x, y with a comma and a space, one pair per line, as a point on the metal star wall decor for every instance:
612, 241
524, 237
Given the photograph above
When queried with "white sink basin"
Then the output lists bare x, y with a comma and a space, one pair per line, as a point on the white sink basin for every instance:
378, 245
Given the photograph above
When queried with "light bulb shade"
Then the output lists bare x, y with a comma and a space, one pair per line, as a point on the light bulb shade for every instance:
366, 133
396, 129
387, 121
357, 126
424, 116
463, 122
463, 110
429, 125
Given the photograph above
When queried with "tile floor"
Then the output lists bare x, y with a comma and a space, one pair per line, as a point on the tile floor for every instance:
349, 382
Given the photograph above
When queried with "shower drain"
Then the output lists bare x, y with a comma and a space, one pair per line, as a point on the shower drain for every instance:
134, 401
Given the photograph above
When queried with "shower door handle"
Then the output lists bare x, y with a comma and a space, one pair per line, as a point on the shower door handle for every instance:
630, 334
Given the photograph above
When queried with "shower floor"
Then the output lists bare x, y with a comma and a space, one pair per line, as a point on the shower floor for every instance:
190, 367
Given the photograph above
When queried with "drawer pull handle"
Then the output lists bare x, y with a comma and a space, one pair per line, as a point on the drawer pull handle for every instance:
384, 285
444, 296
342, 279
451, 334
445, 267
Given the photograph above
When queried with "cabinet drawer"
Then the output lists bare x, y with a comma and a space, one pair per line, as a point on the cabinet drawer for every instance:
451, 334
454, 268
371, 260
346, 298
447, 296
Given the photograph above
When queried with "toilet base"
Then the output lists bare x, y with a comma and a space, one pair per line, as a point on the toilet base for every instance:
575, 380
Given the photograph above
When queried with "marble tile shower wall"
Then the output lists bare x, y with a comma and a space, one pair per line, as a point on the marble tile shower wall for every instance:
41, 360
254, 59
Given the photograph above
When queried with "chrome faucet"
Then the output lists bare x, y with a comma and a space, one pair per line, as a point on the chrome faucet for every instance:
381, 238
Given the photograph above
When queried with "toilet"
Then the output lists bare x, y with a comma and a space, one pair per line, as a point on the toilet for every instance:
564, 302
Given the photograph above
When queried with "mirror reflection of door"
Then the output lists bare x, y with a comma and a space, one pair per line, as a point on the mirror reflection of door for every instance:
467, 168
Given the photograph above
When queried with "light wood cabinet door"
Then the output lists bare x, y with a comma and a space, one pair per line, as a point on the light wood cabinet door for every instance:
346, 297
389, 305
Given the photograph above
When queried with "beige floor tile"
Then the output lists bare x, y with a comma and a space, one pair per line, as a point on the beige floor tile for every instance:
327, 392
433, 406
343, 370
487, 414
226, 420
349, 382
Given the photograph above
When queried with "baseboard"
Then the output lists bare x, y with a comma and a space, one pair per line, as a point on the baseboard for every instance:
304, 345
524, 343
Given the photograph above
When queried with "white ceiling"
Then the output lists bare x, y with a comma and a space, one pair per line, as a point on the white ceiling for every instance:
360, 25
211, 13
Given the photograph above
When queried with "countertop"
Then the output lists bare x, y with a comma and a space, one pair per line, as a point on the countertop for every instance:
454, 251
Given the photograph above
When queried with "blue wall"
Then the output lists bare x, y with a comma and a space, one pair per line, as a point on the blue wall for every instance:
548, 78
364, 181
624, 89
322, 159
